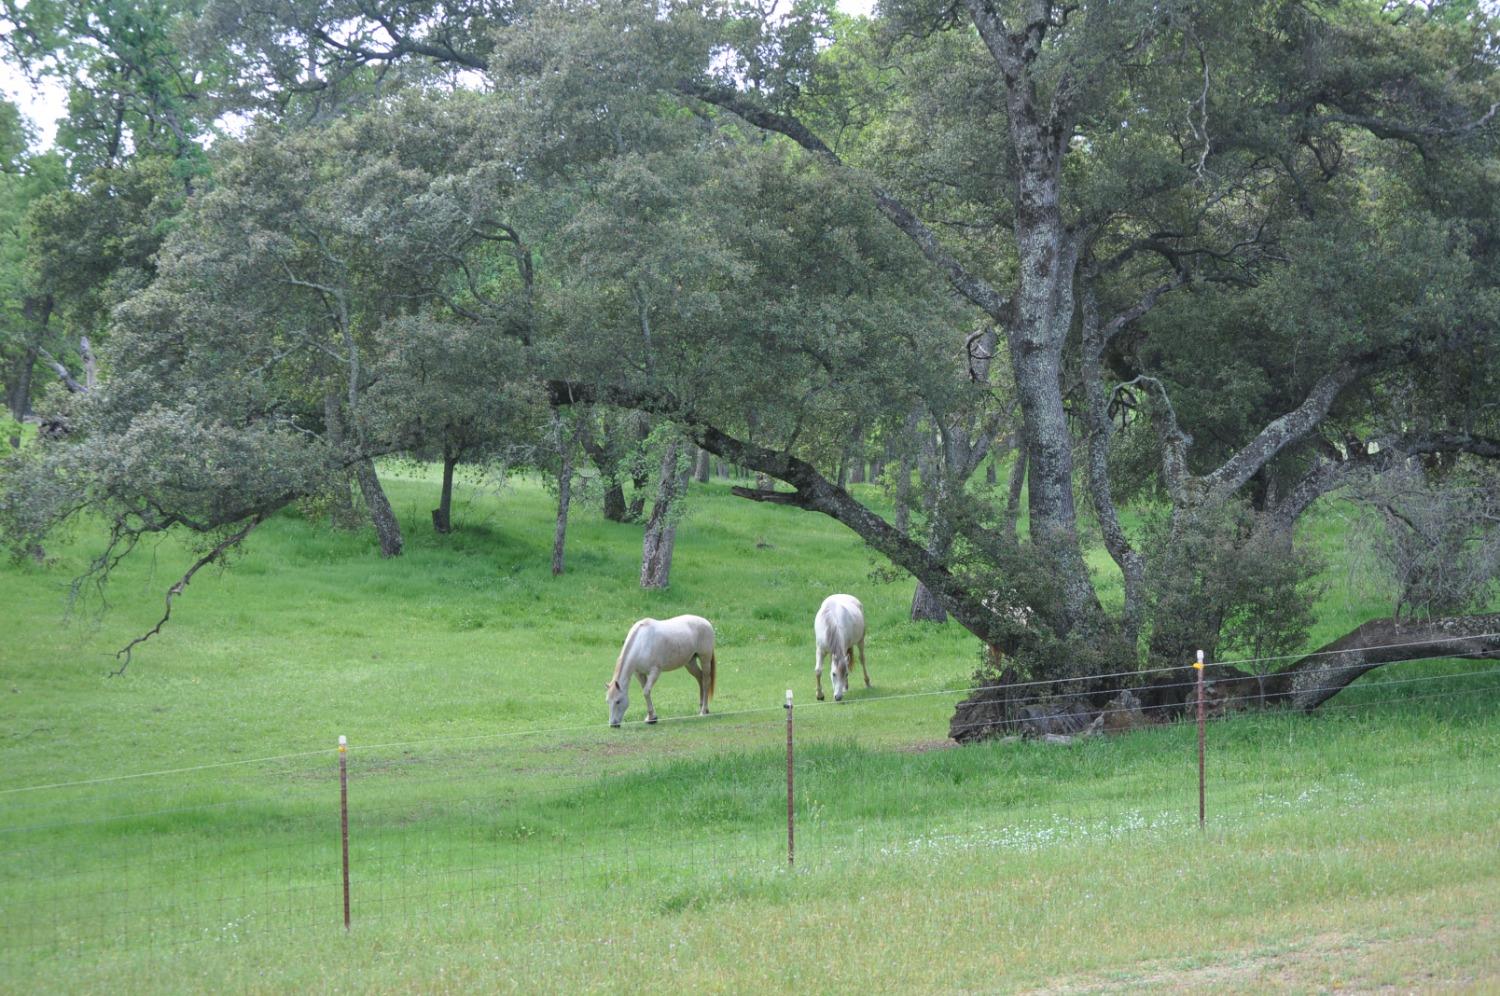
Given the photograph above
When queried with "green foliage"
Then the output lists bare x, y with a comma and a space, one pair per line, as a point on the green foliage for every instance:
1438, 536
1222, 583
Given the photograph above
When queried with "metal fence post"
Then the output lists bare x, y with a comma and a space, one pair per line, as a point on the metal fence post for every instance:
790, 830
344, 818
1198, 664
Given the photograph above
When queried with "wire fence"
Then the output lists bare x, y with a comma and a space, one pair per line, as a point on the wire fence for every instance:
517, 825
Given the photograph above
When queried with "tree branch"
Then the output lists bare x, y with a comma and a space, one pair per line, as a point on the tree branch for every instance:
1284, 430
812, 491
216, 553
972, 287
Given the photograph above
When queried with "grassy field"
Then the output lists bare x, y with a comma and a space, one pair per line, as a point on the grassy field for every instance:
503, 838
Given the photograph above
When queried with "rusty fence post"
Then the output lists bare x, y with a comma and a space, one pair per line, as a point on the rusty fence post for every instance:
790, 829
1198, 664
344, 818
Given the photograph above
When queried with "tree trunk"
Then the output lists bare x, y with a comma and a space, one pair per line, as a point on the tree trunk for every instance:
564, 499
903, 475
640, 473
1017, 486
661, 528
386, 527
442, 516
615, 509
38, 312
700, 466
925, 606
606, 458
564, 446
18, 398
341, 512
1330, 669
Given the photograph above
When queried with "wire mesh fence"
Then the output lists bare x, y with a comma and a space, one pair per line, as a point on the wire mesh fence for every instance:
513, 827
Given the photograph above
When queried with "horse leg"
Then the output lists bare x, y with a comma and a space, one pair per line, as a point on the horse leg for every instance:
861, 662
648, 681
697, 672
818, 669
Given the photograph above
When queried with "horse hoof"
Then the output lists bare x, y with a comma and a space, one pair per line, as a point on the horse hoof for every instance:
650, 719
614, 726
820, 696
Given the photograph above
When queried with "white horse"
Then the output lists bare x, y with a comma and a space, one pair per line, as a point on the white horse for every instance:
838, 628
656, 645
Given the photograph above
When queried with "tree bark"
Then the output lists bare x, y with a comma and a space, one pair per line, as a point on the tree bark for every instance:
606, 458
701, 466
341, 512
387, 529
640, 473
18, 398
38, 313
1330, 669
442, 516
564, 500
661, 528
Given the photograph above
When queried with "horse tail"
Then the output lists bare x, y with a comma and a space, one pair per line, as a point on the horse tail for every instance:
713, 671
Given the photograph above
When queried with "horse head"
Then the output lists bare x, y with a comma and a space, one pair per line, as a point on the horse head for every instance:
617, 697
839, 667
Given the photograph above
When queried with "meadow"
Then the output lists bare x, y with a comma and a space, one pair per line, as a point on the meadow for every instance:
176, 828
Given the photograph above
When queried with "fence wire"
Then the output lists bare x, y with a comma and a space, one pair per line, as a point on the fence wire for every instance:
439, 828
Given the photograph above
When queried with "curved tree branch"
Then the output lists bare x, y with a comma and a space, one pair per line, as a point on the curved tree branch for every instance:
219, 550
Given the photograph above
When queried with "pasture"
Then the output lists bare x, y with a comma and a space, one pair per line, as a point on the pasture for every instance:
502, 837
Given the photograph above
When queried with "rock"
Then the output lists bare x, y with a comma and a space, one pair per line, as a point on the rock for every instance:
1124, 713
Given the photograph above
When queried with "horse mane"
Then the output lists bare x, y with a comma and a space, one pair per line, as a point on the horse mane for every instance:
624, 649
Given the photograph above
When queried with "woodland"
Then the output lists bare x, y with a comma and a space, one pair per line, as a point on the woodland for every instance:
1175, 272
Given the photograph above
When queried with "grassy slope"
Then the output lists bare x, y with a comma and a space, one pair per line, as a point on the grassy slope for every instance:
614, 859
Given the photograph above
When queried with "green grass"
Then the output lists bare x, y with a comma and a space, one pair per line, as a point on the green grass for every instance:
502, 837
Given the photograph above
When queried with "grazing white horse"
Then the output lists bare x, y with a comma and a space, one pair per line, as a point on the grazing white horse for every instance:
838, 628
656, 645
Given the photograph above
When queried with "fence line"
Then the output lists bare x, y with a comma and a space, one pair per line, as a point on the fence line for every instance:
718, 717
314, 903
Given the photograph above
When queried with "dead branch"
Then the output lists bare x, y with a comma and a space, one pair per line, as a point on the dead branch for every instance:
216, 553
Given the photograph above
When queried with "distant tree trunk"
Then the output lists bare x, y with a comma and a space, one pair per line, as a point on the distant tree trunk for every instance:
855, 457
606, 458
903, 475
925, 606
18, 398
442, 516
1016, 485
564, 492
615, 509
387, 529
990, 474
341, 511
37, 311
640, 473
701, 466
661, 528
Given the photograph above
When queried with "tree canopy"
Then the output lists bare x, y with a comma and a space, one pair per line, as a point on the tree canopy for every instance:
1208, 261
